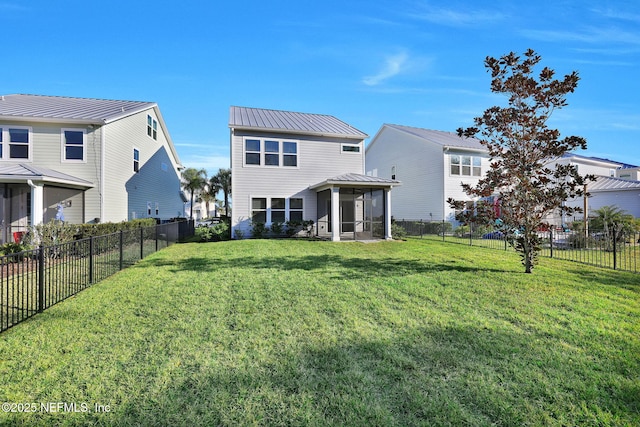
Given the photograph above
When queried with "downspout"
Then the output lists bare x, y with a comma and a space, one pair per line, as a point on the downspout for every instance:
444, 184
103, 153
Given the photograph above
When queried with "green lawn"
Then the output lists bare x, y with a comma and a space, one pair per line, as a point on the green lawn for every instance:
288, 332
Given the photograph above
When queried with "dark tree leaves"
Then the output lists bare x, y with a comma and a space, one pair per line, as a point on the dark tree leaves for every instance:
523, 150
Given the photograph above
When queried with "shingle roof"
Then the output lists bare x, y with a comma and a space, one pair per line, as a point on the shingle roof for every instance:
291, 122
446, 139
18, 171
605, 183
77, 110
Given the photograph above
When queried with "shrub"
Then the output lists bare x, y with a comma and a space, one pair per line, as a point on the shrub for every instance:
292, 228
398, 232
259, 230
277, 229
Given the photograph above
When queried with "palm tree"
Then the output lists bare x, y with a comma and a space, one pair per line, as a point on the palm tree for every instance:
207, 197
193, 180
222, 182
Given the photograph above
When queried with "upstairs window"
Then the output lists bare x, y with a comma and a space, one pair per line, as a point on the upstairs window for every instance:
290, 154
465, 165
252, 151
73, 145
270, 152
152, 127
19, 143
350, 148
136, 160
15, 143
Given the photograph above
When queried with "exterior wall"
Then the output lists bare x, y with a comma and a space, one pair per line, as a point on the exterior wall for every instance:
71, 200
590, 167
318, 160
453, 183
47, 153
423, 168
128, 194
627, 200
631, 174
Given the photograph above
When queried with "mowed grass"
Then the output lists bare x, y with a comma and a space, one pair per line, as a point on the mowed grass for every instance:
288, 332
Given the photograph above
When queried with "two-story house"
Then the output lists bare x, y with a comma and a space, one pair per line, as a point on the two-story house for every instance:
84, 160
431, 165
290, 166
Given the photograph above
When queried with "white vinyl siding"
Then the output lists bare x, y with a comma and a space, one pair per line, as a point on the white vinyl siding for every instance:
316, 158
128, 192
424, 168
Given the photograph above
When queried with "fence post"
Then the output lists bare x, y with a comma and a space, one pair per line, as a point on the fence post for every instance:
41, 278
615, 245
157, 226
421, 228
90, 260
141, 242
550, 242
121, 249
470, 233
443, 229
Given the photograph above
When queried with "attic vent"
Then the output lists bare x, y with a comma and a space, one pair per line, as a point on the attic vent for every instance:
123, 109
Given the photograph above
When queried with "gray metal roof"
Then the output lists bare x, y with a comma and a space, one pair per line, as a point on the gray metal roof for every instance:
291, 122
19, 172
355, 179
605, 183
446, 139
75, 110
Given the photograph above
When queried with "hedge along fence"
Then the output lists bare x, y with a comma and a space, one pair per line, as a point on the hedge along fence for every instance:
35, 279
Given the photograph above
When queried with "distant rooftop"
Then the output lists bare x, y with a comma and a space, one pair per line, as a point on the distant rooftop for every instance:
67, 109
446, 139
291, 122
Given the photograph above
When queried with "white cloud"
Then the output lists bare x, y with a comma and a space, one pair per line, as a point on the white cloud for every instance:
456, 18
393, 66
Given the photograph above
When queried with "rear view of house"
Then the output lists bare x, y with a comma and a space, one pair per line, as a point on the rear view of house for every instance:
84, 160
290, 166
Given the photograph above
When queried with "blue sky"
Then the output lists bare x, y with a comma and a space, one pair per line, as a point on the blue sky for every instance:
408, 62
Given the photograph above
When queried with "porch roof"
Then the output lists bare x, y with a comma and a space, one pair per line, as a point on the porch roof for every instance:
355, 180
22, 173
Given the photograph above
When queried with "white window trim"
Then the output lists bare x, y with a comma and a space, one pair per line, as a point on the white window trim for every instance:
63, 150
343, 145
460, 165
287, 206
263, 152
6, 143
134, 159
154, 127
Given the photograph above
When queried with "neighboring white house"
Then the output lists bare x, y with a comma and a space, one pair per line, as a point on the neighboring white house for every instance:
299, 166
89, 160
431, 165
616, 184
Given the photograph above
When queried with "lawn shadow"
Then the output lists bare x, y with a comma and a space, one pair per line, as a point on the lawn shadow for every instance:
339, 266
425, 376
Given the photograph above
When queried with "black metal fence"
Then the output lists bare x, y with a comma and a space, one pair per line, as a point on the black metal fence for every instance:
615, 248
34, 280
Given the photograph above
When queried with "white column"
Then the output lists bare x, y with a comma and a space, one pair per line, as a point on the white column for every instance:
37, 203
335, 214
387, 214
